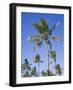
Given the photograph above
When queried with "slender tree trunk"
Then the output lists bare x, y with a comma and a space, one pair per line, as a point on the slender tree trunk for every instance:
47, 57
38, 69
35, 70
55, 67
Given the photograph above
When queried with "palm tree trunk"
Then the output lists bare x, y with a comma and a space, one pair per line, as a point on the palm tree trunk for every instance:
38, 69
55, 67
47, 57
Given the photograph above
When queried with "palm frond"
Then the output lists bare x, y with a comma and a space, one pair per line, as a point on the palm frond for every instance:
52, 54
38, 27
43, 21
53, 28
35, 38
56, 38
44, 25
38, 44
41, 26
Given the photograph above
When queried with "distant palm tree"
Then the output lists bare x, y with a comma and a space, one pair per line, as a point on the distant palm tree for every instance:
37, 60
26, 68
33, 71
52, 54
45, 34
58, 69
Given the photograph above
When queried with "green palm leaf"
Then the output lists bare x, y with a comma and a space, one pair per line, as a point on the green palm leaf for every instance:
42, 26
38, 44
35, 38
53, 28
56, 38
38, 27
52, 54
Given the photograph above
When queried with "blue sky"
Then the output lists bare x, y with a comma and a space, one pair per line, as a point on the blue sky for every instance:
28, 30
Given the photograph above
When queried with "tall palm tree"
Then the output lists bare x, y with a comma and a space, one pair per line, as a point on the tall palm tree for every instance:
58, 70
46, 34
37, 60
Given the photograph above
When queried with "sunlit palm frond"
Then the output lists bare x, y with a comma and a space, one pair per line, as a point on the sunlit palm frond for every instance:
35, 38
41, 26
43, 21
44, 25
38, 27
56, 38
52, 54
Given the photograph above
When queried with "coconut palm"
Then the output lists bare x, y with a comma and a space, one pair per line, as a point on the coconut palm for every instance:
58, 69
45, 34
26, 68
38, 61
52, 54
33, 71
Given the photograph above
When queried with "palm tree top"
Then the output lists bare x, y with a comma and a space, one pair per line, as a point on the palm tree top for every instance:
43, 27
52, 54
37, 58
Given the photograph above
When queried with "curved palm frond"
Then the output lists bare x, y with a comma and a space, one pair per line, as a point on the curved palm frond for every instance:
52, 54
53, 28
42, 26
38, 27
56, 38
38, 44
35, 38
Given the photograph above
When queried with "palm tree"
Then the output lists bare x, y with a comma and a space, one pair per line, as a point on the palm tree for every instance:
58, 69
52, 54
37, 60
33, 71
45, 34
26, 68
